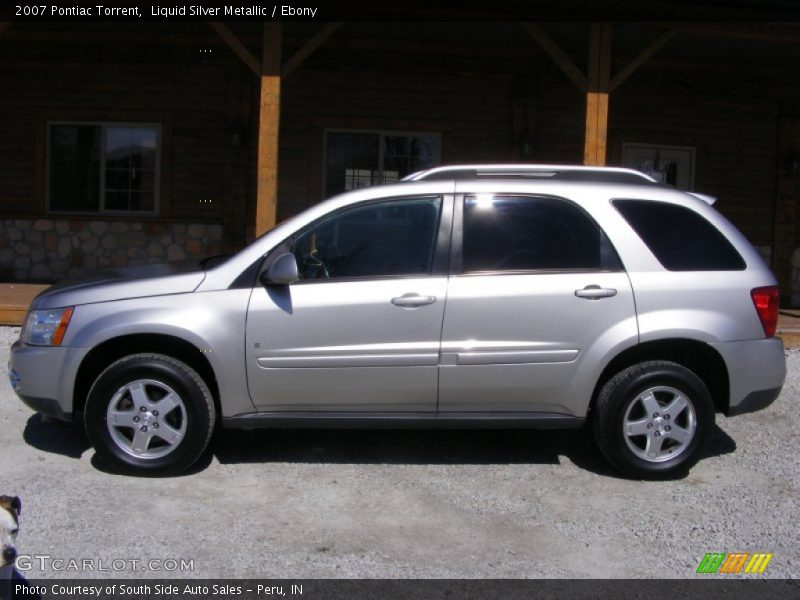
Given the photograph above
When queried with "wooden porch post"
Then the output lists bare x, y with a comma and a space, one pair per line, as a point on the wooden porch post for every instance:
269, 71
785, 218
597, 90
269, 117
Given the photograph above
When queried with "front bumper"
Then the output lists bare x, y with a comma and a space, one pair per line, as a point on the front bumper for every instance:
43, 378
49, 407
756, 372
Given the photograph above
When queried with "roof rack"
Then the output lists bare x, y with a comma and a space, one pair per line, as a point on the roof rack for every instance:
552, 172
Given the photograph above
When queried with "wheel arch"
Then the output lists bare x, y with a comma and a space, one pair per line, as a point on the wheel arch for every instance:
103, 355
698, 357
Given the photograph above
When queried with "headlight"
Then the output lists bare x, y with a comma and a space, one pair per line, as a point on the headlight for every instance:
46, 327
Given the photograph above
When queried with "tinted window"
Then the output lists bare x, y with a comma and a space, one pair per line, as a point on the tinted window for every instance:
377, 240
103, 167
681, 239
510, 233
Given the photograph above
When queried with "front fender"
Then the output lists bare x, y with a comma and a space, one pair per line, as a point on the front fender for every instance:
213, 322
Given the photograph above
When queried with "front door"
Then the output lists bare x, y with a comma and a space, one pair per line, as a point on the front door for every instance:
360, 330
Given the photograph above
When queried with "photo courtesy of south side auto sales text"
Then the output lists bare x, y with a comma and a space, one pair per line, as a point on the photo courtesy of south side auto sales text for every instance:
124, 590
229, 10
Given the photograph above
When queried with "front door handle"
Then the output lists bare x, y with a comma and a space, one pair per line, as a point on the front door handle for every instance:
595, 292
413, 300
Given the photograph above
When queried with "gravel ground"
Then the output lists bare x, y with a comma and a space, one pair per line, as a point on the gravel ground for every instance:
469, 504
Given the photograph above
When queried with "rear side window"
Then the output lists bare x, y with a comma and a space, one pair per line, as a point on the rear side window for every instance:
521, 233
681, 239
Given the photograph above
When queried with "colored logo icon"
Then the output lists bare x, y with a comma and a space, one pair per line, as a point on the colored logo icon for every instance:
737, 562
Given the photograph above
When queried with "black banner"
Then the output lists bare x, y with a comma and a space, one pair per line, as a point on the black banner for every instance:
391, 589
134, 11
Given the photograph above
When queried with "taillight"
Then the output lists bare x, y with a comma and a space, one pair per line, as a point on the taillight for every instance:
765, 300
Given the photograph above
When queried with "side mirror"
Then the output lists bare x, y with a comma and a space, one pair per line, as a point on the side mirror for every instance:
282, 271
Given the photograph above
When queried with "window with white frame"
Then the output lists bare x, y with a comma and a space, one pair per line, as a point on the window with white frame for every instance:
356, 159
103, 167
667, 164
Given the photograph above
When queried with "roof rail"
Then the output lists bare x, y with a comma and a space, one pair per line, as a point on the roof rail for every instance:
553, 172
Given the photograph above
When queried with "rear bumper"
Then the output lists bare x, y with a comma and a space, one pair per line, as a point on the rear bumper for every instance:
756, 372
755, 401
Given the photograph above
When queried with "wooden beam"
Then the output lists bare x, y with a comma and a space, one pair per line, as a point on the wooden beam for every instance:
594, 149
770, 32
639, 60
523, 119
269, 118
573, 73
305, 51
237, 46
518, 129
784, 227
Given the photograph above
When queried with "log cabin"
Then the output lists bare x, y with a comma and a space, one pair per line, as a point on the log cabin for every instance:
123, 144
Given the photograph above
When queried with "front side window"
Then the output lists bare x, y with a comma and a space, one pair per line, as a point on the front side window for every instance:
384, 239
521, 233
356, 159
102, 167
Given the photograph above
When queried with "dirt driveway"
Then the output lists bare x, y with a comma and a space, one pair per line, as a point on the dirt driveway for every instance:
405, 504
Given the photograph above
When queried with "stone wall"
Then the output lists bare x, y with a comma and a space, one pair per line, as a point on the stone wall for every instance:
49, 250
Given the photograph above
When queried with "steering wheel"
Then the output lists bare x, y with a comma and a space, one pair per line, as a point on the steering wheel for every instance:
315, 261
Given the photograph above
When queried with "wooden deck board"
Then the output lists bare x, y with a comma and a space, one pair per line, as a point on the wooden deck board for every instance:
14, 301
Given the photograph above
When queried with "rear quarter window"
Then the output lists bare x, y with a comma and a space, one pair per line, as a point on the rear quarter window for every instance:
680, 238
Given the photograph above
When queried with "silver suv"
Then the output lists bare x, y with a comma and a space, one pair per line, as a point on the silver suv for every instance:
476, 296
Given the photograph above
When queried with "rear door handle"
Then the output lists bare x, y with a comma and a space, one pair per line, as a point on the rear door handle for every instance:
413, 300
595, 292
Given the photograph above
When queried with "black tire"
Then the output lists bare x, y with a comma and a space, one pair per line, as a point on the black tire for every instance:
194, 415
618, 396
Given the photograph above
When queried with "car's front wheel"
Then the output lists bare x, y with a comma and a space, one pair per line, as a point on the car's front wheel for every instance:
654, 419
149, 413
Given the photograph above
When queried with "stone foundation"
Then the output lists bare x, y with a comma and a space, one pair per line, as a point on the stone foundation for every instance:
49, 250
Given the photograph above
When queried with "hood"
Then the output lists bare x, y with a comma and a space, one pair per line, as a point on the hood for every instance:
121, 284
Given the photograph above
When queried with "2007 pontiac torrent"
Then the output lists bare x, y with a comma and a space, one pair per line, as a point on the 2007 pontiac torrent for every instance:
472, 296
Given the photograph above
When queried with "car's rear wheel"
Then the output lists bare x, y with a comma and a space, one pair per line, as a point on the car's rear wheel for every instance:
654, 419
149, 413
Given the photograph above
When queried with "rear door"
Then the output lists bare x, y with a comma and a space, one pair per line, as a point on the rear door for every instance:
535, 284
